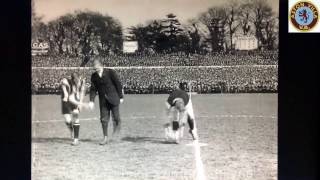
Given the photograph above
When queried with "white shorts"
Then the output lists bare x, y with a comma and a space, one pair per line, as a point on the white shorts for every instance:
182, 117
188, 112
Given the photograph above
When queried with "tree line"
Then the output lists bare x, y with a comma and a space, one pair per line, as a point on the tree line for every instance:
84, 33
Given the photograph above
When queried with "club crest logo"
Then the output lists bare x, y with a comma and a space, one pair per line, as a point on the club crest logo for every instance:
304, 15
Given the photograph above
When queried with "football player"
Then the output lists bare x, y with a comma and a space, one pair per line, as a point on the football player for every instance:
180, 111
73, 91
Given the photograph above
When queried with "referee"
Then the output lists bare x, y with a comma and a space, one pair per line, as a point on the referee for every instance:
106, 82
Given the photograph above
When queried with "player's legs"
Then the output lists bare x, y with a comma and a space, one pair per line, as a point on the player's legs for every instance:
171, 134
177, 136
182, 119
172, 124
192, 130
191, 121
116, 118
104, 118
68, 121
76, 128
174, 118
67, 114
167, 131
175, 127
181, 131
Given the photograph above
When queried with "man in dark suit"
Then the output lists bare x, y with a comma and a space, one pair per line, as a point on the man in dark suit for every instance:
106, 82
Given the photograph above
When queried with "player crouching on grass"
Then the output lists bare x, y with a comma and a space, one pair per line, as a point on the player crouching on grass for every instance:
179, 111
73, 91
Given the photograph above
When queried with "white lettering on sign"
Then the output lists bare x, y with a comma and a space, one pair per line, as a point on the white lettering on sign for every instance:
39, 48
42, 45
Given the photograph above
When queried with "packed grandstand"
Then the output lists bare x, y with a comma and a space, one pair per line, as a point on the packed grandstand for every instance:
173, 59
159, 73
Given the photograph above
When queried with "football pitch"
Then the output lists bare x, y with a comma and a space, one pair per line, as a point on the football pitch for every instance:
239, 130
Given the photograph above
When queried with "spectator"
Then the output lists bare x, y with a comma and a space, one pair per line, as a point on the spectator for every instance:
228, 79
217, 59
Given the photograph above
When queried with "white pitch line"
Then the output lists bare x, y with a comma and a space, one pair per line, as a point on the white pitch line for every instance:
200, 144
200, 174
92, 118
60, 120
153, 117
238, 116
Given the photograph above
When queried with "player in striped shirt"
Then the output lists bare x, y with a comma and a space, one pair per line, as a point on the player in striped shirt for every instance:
73, 91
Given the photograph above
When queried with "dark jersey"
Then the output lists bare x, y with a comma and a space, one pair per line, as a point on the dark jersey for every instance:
178, 94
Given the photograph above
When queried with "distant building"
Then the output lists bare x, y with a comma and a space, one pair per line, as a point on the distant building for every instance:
245, 43
130, 46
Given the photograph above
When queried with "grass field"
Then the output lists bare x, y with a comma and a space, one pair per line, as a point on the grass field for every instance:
240, 131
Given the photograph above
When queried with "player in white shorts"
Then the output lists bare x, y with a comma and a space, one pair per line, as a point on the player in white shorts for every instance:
180, 112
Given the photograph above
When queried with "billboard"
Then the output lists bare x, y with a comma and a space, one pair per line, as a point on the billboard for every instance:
246, 43
130, 46
39, 48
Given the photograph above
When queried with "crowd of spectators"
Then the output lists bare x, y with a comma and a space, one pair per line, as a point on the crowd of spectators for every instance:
139, 80
177, 59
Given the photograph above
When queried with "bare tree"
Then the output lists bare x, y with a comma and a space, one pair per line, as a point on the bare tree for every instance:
261, 16
245, 11
195, 39
71, 41
56, 36
271, 33
215, 20
232, 20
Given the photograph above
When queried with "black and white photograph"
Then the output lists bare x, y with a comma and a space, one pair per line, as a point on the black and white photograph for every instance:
146, 89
